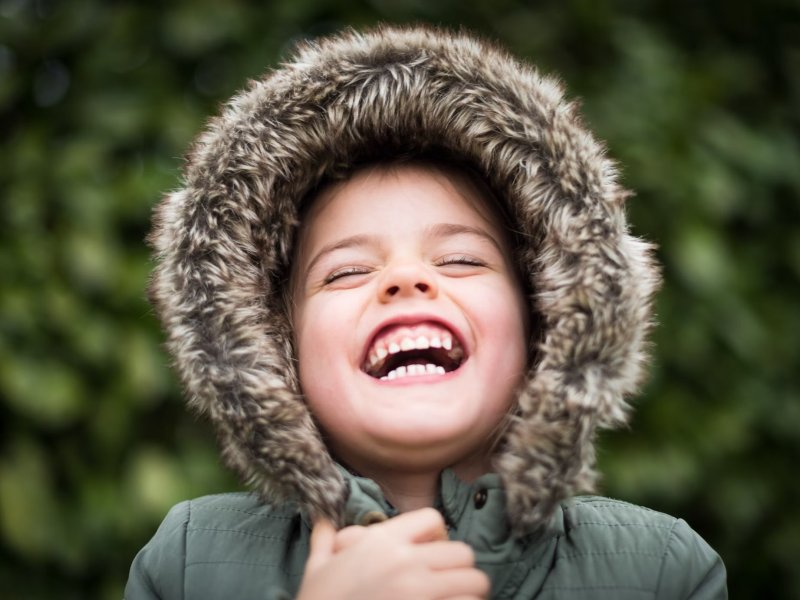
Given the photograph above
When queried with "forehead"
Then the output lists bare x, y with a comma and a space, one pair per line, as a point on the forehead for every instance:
372, 196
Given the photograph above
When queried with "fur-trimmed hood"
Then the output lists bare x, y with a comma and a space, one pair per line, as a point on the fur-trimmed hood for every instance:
224, 239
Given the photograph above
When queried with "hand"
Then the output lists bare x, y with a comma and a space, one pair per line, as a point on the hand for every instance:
406, 557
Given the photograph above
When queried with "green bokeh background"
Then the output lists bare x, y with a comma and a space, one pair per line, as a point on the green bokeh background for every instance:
699, 100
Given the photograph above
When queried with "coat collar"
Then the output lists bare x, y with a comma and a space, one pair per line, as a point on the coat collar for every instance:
476, 514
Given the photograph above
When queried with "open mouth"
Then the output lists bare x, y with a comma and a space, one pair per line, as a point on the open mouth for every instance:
410, 351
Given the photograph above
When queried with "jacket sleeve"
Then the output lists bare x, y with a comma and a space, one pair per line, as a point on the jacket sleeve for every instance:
690, 568
157, 571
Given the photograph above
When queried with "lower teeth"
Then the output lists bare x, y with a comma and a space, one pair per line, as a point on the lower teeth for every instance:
413, 371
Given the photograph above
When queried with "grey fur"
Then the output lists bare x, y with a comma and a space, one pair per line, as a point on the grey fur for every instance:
223, 242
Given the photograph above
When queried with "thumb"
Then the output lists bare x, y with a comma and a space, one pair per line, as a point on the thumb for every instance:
323, 535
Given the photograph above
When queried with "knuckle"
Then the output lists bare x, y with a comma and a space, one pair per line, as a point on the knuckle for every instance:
401, 554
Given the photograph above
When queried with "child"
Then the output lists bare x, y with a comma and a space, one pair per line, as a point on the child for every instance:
399, 281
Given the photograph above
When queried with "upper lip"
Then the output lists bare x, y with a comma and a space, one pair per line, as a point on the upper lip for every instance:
413, 319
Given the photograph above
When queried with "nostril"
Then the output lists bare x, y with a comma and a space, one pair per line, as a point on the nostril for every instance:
406, 284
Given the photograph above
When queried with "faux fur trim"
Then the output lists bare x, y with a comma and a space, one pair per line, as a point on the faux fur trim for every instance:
224, 239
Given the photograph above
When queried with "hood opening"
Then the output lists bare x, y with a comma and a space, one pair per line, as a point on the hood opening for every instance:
223, 245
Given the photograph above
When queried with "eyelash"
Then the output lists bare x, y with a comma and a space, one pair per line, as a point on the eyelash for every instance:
460, 259
344, 273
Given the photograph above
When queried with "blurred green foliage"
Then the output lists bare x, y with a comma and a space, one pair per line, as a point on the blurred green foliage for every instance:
98, 100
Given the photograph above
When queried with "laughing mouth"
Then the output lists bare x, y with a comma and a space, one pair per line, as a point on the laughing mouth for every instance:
410, 351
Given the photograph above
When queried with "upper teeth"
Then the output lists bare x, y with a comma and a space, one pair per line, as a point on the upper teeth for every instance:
380, 350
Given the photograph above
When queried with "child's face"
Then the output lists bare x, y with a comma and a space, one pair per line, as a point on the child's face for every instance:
407, 259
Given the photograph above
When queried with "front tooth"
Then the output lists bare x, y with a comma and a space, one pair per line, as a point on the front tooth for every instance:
447, 343
393, 348
422, 343
411, 369
440, 370
391, 375
430, 368
400, 371
435, 342
407, 344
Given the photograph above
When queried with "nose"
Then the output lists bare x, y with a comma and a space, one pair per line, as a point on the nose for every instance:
407, 280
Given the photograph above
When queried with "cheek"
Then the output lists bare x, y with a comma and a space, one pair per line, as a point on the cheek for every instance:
504, 307
324, 338
322, 362
316, 371
505, 320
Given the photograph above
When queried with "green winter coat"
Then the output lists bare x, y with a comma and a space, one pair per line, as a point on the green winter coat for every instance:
233, 546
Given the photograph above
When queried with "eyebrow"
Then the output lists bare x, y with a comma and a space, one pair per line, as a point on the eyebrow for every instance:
443, 230
353, 241
439, 230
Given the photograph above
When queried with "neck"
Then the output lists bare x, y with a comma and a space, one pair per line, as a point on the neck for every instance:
411, 489
408, 491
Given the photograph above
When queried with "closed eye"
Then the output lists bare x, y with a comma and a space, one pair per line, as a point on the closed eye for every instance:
460, 259
345, 272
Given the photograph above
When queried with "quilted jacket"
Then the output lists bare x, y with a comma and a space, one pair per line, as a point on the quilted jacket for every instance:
233, 546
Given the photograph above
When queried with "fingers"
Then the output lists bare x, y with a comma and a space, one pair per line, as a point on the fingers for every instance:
409, 554
440, 556
321, 544
348, 536
457, 583
417, 526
